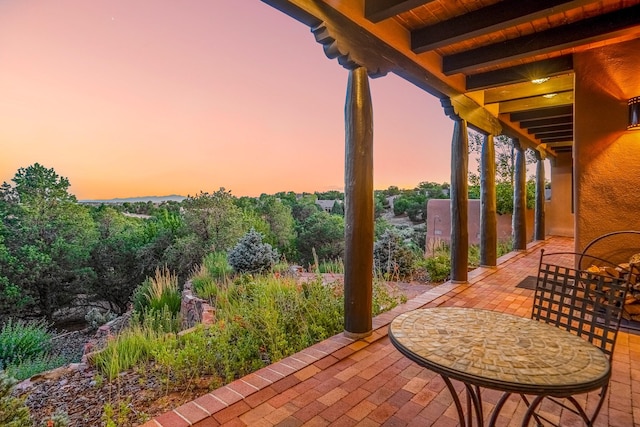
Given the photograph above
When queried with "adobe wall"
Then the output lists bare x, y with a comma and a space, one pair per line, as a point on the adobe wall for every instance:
606, 154
559, 217
439, 222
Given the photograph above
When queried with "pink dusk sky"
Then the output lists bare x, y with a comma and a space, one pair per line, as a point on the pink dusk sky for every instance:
133, 98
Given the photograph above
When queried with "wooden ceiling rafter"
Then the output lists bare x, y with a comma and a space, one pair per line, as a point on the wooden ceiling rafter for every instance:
379, 10
520, 73
567, 36
484, 21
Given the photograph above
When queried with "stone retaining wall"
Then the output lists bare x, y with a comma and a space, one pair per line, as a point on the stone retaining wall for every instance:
194, 310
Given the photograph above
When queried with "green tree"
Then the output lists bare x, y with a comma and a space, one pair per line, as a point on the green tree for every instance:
49, 237
323, 233
304, 207
214, 218
505, 172
114, 259
279, 216
337, 208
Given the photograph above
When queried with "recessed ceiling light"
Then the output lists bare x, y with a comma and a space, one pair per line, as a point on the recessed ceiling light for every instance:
539, 81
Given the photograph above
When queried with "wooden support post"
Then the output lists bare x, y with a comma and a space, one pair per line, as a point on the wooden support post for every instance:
539, 224
359, 208
519, 200
459, 195
488, 219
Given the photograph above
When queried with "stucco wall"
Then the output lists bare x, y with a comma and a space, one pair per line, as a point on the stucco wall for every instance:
606, 155
559, 219
439, 222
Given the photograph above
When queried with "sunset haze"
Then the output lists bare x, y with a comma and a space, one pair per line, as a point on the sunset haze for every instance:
161, 97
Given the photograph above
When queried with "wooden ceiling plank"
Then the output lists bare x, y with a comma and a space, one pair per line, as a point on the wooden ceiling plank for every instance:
578, 33
537, 102
545, 113
520, 73
528, 89
379, 10
487, 20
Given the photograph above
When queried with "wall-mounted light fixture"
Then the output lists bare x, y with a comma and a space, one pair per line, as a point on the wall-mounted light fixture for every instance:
634, 113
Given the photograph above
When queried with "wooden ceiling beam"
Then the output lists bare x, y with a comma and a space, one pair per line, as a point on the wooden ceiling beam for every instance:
548, 129
520, 73
528, 89
537, 102
554, 135
578, 33
496, 17
559, 120
568, 138
546, 113
379, 10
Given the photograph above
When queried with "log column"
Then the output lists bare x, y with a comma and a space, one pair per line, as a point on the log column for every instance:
488, 220
539, 224
459, 195
519, 199
359, 208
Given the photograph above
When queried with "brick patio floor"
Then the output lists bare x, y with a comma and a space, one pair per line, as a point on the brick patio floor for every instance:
342, 382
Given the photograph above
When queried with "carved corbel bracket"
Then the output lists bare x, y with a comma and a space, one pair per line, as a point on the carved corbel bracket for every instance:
346, 51
449, 109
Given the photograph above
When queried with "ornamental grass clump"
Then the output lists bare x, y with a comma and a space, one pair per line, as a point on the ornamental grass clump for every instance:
157, 296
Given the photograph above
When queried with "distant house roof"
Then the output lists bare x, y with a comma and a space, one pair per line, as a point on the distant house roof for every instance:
326, 205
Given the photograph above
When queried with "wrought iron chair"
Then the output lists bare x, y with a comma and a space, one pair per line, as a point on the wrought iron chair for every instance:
586, 303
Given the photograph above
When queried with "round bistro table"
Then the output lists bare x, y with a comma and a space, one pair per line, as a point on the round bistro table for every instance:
483, 348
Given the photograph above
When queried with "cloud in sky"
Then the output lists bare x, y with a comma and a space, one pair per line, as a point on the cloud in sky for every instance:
161, 97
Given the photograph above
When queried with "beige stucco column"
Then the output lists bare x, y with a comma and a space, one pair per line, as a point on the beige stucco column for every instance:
519, 199
359, 209
488, 219
539, 222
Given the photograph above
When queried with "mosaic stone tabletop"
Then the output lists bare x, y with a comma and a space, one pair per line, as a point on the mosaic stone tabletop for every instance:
500, 351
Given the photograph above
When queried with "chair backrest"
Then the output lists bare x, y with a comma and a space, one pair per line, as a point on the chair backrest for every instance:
586, 303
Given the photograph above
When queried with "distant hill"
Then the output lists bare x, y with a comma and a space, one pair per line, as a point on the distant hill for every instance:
154, 199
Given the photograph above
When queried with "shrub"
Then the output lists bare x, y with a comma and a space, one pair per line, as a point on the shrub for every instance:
96, 318
21, 341
13, 411
250, 255
217, 265
34, 365
438, 267
391, 257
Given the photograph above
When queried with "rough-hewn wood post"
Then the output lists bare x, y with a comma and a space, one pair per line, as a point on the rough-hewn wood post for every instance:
539, 224
358, 275
488, 220
519, 199
459, 195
